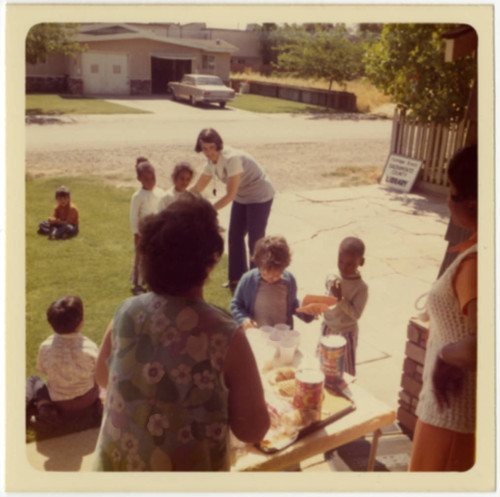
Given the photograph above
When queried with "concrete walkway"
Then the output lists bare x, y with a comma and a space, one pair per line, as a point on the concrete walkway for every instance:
404, 237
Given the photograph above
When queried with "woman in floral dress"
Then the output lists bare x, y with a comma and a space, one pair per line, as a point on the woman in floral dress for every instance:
179, 372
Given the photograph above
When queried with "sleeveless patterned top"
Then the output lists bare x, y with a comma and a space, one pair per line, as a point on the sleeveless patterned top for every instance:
166, 403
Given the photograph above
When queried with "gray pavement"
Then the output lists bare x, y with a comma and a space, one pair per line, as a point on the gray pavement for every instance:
404, 237
174, 123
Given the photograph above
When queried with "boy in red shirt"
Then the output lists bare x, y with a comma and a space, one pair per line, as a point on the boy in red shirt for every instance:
64, 221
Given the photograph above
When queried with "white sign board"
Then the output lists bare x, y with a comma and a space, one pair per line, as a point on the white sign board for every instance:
400, 172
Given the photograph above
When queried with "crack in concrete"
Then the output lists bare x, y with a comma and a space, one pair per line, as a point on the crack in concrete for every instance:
385, 355
414, 211
312, 201
314, 235
401, 228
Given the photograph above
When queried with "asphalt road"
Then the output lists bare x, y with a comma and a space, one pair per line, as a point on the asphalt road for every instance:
179, 123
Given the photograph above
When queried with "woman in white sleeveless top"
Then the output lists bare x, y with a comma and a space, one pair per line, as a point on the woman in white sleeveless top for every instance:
444, 438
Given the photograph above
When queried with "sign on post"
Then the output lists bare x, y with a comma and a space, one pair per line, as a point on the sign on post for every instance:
400, 172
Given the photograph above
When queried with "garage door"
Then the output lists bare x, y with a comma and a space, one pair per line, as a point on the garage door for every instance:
105, 73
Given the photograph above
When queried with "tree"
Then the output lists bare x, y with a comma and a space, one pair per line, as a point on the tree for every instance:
407, 62
50, 37
267, 41
368, 30
325, 53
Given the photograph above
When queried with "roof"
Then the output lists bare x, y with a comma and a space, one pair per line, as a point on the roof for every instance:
113, 32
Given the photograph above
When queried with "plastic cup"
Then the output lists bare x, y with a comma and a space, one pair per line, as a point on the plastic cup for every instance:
287, 351
282, 326
267, 330
295, 336
275, 338
264, 355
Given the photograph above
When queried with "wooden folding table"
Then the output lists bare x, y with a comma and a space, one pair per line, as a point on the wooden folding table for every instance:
370, 416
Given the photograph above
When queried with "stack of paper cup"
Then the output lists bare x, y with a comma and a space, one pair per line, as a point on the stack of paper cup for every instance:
287, 350
282, 326
295, 336
266, 331
276, 337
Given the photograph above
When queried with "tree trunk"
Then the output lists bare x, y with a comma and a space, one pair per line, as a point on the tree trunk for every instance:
329, 96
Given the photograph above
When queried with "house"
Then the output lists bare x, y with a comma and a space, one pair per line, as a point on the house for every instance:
130, 60
247, 42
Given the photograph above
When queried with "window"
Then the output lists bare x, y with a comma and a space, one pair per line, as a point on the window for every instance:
208, 63
117, 69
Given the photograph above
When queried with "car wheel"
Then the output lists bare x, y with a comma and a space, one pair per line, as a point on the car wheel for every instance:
192, 101
222, 104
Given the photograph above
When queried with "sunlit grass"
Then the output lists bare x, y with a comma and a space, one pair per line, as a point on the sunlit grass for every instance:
368, 97
270, 105
49, 104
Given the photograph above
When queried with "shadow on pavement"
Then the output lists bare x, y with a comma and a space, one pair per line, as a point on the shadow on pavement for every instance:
67, 453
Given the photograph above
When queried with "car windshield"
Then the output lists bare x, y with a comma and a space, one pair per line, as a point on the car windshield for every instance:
209, 81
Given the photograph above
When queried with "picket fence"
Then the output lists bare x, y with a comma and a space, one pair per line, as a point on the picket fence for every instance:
432, 143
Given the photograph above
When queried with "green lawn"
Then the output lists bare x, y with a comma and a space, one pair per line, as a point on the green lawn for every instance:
95, 264
270, 105
49, 104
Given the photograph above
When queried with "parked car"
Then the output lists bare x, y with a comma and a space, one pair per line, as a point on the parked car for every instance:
201, 88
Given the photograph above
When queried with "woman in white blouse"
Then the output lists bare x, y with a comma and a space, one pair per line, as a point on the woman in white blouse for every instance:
247, 188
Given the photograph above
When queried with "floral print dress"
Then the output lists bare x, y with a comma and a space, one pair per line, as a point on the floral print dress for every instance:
166, 404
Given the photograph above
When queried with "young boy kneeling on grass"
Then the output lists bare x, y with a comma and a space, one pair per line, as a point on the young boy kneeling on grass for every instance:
267, 294
64, 221
68, 360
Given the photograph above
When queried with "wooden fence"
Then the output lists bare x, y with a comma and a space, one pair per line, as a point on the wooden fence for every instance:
432, 143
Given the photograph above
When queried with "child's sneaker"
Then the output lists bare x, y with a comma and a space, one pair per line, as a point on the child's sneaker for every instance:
48, 413
52, 234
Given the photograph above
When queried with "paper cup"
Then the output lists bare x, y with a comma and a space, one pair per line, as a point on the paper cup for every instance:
287, 351
295, 336
266, 331
264, 354
282, 326
275, 338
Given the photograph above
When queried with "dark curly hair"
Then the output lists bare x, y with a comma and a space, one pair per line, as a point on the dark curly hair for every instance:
179, 168
65, 314
462, 172
272, 252
209, 135
180, 244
